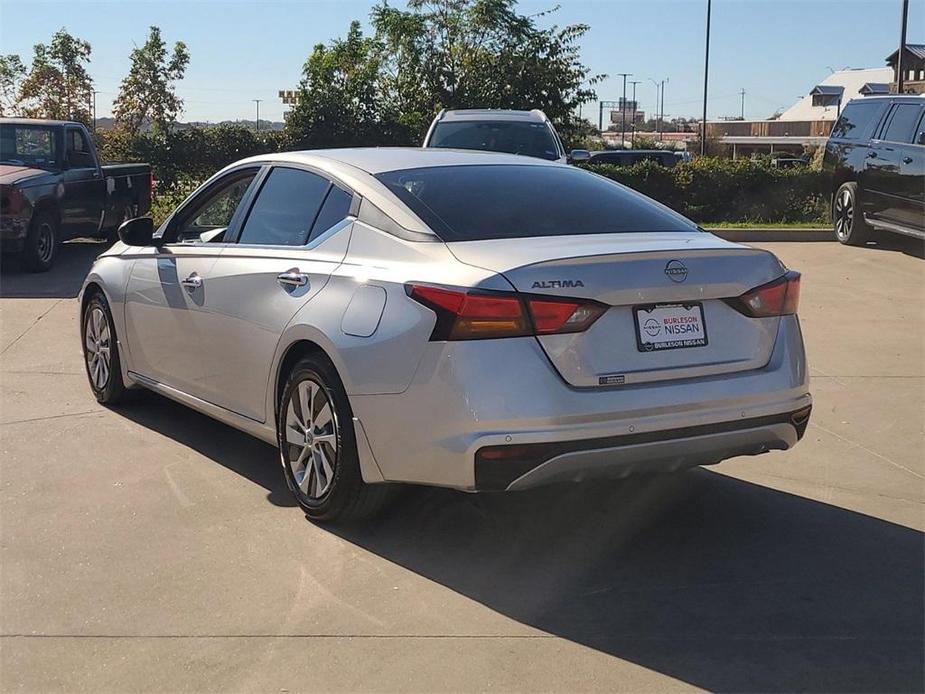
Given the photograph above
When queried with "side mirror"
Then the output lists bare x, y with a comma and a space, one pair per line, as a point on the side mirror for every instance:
137, 232
579, 155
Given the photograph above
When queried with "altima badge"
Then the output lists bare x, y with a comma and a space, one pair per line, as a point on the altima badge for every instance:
676, 271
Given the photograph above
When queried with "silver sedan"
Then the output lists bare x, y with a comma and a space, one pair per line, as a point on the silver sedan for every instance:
464, 319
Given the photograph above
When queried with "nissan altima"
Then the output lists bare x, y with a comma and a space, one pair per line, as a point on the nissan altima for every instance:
472, 320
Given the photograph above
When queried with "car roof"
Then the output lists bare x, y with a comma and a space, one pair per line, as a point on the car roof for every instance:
889, 97
481, 114
375, 160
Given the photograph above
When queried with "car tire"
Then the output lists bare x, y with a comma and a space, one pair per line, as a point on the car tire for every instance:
847, 221
41, 246
317, 446
101, 351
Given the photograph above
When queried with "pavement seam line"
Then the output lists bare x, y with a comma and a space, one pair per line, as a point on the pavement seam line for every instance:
52, 416
872, 452
31, 325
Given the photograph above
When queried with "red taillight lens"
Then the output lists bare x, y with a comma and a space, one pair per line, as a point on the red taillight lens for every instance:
778, 298
472, 315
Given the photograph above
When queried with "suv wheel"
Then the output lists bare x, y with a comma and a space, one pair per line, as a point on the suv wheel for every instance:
847, 220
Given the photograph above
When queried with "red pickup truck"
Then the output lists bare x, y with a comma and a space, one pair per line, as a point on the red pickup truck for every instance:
53, 188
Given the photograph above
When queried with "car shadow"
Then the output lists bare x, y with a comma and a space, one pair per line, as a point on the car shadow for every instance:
239, 452
723, 584
64, 279
897, 243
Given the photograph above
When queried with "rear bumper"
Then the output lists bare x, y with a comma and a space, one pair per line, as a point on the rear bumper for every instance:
509, 468
469, 396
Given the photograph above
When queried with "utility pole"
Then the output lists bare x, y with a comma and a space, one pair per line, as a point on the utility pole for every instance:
634, 83
94, 109
257, 101
657, 96
662, 108
706, 74
624, 75
902, 49
742, 93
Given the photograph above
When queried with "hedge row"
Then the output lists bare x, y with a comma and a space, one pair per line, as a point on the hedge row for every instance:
705, 189
724, 190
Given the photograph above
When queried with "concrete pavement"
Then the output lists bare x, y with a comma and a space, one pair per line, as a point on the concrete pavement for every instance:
152, 549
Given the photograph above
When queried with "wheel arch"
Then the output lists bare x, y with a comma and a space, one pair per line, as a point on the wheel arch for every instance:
296, 350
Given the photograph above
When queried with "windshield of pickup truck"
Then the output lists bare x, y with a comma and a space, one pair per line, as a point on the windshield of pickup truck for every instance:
528, 139
28, 145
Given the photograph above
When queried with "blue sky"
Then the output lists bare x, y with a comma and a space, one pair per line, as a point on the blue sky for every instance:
775, 49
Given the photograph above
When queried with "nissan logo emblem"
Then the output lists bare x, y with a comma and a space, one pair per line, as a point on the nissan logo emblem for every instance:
676, 271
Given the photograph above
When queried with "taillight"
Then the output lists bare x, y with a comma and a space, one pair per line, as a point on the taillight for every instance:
777, 298
473, 315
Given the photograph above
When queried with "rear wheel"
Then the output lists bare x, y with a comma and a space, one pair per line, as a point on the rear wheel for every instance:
317, 446
41, 246
847, 220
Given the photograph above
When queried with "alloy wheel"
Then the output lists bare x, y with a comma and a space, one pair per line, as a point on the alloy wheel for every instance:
45, 243
97, 347
844, 214
311, 438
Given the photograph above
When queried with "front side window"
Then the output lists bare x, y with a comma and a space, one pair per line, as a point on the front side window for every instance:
474, 202
901, 124
286, 207
857, 120
26, 145
78, 149
205, 220
527, 139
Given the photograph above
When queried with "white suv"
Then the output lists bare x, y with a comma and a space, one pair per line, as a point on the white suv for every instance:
528, 133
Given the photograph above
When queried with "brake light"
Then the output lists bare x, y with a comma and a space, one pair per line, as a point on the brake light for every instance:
472, 315
778, 298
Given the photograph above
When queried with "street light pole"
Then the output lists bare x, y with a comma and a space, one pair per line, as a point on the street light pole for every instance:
706, 74
634, 83
662, 109
902, 49
257, 101
623, 108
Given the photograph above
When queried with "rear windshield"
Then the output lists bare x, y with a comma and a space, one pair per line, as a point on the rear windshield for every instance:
501, 201
528, 139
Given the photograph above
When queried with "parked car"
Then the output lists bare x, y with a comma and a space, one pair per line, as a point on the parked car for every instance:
628, 157
53, 188
875, 166
528, 133
463, 319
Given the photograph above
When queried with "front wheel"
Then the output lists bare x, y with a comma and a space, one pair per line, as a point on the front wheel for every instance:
101, 352
847, 220
41, 246
318, 448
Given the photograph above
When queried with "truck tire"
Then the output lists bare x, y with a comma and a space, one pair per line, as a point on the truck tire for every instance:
847, 219
41, 245
125, 213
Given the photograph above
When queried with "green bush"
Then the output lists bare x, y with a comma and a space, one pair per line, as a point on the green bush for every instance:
725, 190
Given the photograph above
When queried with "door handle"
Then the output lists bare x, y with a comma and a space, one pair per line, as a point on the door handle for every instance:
192, 283
907, 160
292, 278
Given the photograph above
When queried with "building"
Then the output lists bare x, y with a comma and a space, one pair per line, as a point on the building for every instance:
808, 122
913, 67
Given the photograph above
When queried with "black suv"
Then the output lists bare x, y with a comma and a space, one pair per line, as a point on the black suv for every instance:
875, 163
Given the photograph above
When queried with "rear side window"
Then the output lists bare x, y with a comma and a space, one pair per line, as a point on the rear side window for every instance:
474, 202
336, 207
920, 131
901, 123
857, 121
285, 209
528, 139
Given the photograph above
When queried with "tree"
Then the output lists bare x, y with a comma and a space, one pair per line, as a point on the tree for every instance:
57, 85
340, 97
147, 94
480, 54
12, 72
438, 54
